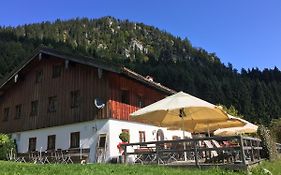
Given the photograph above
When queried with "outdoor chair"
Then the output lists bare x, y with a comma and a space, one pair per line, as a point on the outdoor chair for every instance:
210, 145
36, 157
216, 156
51, 156
68, 157
166, 158
138, 159
56, 156
13, 156
179, 154
100, 155
32, 157
45, 158
229, 155
63, 157
19, 158
145, 155
60, 157
166, 154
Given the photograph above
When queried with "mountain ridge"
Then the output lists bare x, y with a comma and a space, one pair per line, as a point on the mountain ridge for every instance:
172, 61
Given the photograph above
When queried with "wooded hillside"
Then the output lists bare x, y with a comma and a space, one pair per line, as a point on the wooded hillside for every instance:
170, 60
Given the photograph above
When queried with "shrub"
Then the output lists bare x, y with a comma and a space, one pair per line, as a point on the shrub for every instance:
269, 146
124, 136
275, 129
6, 144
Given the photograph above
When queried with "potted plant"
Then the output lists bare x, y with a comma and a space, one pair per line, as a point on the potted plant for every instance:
124, 136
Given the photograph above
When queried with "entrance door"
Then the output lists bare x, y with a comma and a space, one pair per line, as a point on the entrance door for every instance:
101, 148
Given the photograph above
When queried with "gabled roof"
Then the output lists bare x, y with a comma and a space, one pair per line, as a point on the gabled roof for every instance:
97, 63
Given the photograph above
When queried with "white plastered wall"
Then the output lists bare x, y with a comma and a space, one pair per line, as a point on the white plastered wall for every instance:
116, 126
89, 134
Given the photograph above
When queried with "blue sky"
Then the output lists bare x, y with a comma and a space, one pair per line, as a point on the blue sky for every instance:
246, 33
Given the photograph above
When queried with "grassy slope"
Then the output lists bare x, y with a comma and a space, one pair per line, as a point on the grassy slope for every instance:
10, 168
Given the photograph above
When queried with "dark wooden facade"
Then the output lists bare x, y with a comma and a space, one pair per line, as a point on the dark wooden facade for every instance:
91, 82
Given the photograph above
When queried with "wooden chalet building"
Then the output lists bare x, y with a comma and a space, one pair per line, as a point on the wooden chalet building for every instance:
54, 100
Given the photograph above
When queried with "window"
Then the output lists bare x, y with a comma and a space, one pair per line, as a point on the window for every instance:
18, 111
102, 140
160, 135
51, 142
57, 70
142, 136
53, 104
140, 101
32, 144
125, 96
6, 114
75, 140
39, 76
34, 108
75, 99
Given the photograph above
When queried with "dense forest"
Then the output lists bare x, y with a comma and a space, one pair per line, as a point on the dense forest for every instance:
170, 60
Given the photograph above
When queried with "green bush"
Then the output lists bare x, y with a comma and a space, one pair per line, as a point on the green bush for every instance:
269, 146
6, 144
124, 136
275, 128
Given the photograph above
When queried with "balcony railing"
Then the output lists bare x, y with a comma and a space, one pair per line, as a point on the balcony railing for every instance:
232, 151
120, 110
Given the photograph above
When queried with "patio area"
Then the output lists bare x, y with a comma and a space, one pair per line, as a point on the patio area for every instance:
59, 156
233, 152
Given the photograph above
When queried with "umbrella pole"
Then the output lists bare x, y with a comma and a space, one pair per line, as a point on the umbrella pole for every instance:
208, 129
183, 136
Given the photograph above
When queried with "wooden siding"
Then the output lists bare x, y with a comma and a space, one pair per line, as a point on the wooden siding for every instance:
120, 110
74, 77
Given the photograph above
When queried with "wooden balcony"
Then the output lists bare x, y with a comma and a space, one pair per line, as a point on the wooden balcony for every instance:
120, 111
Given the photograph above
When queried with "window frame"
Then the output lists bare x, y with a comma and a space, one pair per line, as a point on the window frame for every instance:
32, 105
102, 141
75, 140
18, 111
141, 136
39, 76
75, 97
52, 104
57, 70
32, 143
51, 142
6, 114
140, 101
125, 96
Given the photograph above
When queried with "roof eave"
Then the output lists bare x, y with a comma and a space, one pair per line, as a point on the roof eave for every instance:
114, 68
144, 80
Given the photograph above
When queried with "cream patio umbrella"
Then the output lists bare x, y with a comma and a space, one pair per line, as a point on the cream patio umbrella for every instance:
207, 127
179, 110
173, 110
247, 128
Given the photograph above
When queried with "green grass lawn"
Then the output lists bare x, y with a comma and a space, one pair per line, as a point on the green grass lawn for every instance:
273, 167
11, 168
